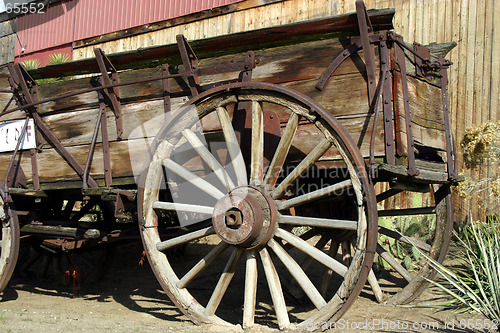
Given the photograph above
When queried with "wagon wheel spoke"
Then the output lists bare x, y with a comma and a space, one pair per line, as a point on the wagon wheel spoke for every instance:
298, 274
250, 296
183, 207
405, 239
394, 263
315, 195
305, 164
193, 178
224, 281
318, 222
312, 251
257, 157
209, 158
202, 264
274, 284
165, 245
281, 151
232, 146
377, 291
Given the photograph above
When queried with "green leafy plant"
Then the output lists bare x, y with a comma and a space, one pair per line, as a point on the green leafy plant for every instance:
58, 58
54, 59
31, 64
475, 285
422, 227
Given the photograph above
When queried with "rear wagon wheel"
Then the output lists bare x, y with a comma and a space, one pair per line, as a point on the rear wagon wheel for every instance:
9, 243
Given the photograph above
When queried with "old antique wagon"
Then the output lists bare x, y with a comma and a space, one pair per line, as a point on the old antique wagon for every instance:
288, 157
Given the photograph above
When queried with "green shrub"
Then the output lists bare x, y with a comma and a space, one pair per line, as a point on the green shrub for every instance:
31, 64
475, 284
58, 58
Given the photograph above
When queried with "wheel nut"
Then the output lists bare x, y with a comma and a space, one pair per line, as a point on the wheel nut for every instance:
234, 219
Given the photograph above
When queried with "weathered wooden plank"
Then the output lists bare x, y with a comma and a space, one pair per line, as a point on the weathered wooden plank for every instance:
426, 115
127, 156
236, 42
487, 73
495, 69
277, 65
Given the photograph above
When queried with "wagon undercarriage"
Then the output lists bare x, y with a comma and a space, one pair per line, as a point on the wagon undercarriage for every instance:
287, 168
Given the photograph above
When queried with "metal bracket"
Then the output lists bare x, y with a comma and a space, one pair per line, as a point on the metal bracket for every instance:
451, 156
365, 31
167, 105
121, 198
103, 125
19, 77
105, 65
190, 62
422, 58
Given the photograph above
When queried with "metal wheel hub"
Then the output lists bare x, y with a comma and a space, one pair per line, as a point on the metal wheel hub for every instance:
245, 217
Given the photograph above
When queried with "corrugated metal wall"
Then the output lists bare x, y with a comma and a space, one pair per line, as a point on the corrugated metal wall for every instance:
71, 20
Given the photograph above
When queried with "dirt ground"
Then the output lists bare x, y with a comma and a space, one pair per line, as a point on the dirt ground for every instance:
129, 299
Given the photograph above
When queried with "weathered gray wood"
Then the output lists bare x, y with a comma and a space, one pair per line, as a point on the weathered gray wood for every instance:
298, 274
257, 150
7, 41
223, 283
310, 250
394, 264
314, 195
202, 264
305, 164
232, 146
250, 294
317, 222
377, 291
424, 176
297, 66
193, 178
274, 284
183, 207
61, 231
167, 244
210, 159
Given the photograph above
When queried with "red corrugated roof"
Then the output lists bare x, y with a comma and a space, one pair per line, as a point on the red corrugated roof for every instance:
67, 21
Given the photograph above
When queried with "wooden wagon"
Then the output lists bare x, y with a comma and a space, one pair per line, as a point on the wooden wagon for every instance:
289, 166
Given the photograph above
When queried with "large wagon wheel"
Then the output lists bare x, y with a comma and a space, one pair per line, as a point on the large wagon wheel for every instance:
245, 210
425, 224
9, 243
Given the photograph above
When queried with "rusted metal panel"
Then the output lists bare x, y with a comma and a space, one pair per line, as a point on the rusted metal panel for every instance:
71, 20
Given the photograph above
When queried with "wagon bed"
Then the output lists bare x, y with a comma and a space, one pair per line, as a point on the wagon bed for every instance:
327, 106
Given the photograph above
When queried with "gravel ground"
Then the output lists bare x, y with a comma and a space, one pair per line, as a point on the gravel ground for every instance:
129, 299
